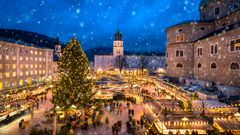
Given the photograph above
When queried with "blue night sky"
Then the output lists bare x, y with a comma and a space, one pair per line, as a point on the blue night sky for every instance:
94, 22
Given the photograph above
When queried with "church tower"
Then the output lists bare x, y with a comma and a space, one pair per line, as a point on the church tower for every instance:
58, 47
118, 44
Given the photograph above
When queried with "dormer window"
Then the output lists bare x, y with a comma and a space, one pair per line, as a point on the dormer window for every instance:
180, 38
217, 11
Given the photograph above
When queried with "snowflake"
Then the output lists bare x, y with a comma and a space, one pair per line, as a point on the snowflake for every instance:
78, 11
133, 13
81, 24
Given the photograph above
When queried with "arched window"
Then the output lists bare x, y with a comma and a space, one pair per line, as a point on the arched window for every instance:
179, 65
199, 65
213, 66
234, 66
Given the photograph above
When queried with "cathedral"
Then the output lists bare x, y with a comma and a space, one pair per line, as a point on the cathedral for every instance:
132, 62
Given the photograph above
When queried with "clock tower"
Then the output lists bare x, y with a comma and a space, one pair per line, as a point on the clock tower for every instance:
118, 44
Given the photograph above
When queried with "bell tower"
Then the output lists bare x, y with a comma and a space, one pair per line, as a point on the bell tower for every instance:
58, 47
118, 44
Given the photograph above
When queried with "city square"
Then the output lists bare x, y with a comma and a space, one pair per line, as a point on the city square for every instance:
55, 86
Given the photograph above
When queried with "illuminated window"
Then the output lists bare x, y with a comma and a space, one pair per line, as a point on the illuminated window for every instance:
40, 72
40, 53
31, 66
43, 59
14, 66
7, 74
26, 66
31, 51
7, 66
14, 74
7, 57
35, 59
21, 66
1, 86
35, 65
21, 73
40, 59
43, 71
40, 66
233, 45
36, 72
21, 82
14, 57
51, 59
0, 57
21, 58
26, 58
36, 52
26, 72
180, 38
50, 71
31, 58
31, 72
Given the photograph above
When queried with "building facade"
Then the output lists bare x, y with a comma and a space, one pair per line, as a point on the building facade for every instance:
22, 65
132, 62
207, 50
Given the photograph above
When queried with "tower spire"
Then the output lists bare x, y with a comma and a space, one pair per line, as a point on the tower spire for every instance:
118, 36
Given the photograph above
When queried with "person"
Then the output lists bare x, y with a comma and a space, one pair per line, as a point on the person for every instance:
20, 125
41, 98
141, 122
113, 129
116, 128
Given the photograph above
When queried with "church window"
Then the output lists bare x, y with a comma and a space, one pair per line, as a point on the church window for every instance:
235, 45
214, 49
179, 65
179, 37
235, 6
234, 66
199, 51
217, 11
179, 53
213, 66
199, 65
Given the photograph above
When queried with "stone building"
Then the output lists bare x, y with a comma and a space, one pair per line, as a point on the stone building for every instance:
132, 62
23, 64
207, 50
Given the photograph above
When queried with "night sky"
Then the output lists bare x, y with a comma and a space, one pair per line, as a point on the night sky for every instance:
94, 22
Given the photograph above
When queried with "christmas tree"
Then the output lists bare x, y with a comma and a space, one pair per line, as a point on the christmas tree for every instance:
74, 87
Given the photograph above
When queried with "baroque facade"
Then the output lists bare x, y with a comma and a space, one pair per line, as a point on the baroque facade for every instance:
132, 62
207, 50
22, 64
